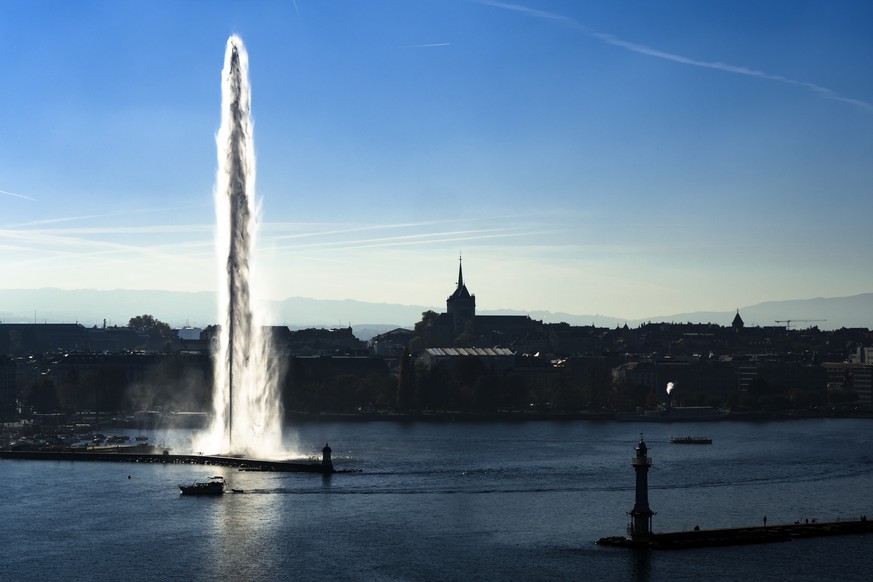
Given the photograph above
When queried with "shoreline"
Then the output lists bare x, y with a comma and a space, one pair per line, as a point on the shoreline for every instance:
455, 416
459, 416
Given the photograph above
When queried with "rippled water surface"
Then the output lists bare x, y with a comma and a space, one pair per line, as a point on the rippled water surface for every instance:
452, 501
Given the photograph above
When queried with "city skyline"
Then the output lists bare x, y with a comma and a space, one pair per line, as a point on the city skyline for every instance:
582, 158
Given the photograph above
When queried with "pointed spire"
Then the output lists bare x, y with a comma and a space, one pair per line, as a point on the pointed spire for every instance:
461, 289
460, 271
738, 321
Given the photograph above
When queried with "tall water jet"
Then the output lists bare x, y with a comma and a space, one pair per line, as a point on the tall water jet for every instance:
247, 415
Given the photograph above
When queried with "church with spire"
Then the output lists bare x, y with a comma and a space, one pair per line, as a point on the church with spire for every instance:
461, 326
461, 305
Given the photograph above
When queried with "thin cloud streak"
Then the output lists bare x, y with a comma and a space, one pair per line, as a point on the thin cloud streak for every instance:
344, 230
80, 241
651, 52
14, 195
103, 216
53, 221
123, 230
61, 245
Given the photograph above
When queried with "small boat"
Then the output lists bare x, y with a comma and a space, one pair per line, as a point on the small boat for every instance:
214, 486
690, 440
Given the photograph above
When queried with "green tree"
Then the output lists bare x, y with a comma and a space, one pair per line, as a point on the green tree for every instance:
422, 333
465, 340
428, 318
154, 328
465, 373
513, 392
40, 396
406, 382
433, 387
486, 392
69, 396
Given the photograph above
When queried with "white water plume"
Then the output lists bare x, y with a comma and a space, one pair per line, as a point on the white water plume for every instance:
247, 411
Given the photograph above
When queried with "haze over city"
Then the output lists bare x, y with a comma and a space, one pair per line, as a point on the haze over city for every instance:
621, 159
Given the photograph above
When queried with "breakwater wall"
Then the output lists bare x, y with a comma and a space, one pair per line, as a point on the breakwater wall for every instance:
741, 536
138, 457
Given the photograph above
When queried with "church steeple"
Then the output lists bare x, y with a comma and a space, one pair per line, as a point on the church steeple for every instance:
461, 305
460, 272
737, 323
461, 289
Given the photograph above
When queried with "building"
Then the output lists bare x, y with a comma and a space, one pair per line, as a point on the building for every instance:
391, 343
460, 326
850, 377
497, 359
19, 339
7, 387
460, 305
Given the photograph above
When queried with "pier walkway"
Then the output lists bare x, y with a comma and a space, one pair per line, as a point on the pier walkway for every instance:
741, 535
117, 456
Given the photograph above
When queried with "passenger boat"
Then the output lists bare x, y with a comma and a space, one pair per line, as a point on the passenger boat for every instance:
690, 440
214, 486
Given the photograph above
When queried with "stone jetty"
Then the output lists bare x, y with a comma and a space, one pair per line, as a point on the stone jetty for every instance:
117, 456
740, 536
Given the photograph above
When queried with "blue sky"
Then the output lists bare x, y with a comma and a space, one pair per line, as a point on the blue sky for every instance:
630, 159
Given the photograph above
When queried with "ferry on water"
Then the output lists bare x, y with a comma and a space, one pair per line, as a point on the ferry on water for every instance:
691, 440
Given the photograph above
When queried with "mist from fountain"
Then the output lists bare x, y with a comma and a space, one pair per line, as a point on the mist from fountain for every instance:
247, 410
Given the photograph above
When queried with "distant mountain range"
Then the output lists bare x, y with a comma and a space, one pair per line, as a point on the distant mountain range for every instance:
91, 307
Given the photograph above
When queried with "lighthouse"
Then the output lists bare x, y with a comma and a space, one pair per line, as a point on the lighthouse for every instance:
641, 516
326, 462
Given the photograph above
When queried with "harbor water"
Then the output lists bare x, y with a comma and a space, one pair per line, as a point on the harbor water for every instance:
452, 501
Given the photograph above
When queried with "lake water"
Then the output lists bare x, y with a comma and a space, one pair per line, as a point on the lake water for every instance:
452, 501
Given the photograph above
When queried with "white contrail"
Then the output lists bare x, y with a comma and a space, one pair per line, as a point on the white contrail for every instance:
14, 195
334, 229
101, 216
433, 44
414, 239
54, 220
651, 52
126, 230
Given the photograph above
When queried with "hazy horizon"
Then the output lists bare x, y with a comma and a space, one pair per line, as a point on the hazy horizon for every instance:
582, 157
197, 309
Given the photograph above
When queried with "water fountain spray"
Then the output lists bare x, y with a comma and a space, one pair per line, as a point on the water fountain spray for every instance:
246, 401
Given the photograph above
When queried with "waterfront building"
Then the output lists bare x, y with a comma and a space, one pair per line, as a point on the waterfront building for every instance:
848, 377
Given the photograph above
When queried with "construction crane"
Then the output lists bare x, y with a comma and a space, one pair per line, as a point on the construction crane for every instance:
787, 322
